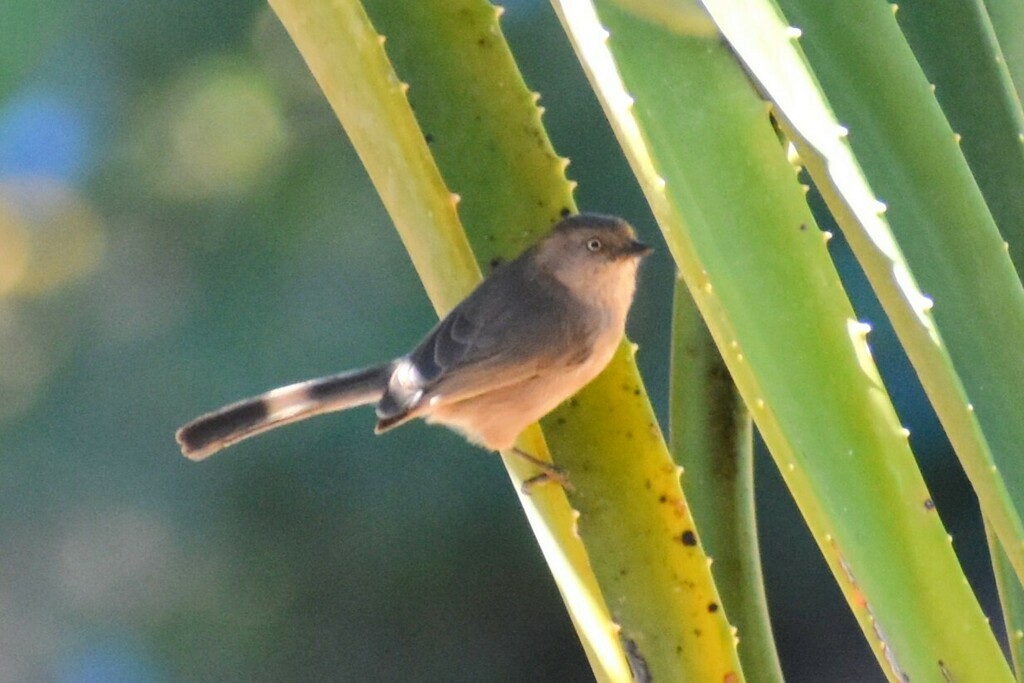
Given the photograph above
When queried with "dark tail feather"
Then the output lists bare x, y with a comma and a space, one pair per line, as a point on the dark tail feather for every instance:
207, 434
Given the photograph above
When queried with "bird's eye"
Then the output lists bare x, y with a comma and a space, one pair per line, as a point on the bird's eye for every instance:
594, 244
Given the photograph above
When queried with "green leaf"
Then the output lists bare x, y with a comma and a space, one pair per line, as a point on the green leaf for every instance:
713, 439
945, 231
737, 223
956, 44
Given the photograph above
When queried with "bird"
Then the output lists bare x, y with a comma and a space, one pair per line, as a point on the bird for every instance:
528, 337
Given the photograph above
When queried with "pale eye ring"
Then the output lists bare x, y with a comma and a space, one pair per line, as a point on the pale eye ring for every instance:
594, 244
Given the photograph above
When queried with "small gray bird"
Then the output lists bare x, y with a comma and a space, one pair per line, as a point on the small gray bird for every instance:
528, 337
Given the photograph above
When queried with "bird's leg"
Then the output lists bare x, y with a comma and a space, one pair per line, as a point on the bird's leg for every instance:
551, 473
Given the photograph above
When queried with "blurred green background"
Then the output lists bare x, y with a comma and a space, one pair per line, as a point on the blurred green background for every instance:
183, 223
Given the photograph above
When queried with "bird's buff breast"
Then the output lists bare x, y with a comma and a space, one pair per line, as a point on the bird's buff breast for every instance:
495, 419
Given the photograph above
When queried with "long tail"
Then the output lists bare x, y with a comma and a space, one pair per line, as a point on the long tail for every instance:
207, 434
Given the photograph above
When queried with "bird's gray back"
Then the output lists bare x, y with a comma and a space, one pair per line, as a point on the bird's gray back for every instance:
486, 334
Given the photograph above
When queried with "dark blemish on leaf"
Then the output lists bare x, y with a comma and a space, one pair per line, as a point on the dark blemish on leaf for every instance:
929, 504
637, 663
429, 138
573, 402
712, 607
697, 632
663, 498
629, 433
623, 571
560, 420
495, 262
803, 226
636, 392
566, 211
689, 538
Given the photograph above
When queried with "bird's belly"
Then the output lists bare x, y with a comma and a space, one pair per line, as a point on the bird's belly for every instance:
495, 419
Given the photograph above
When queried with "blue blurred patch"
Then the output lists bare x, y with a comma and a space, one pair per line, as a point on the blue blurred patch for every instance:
108, 662
43, 134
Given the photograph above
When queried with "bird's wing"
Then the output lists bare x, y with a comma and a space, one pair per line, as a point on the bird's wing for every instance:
509, 329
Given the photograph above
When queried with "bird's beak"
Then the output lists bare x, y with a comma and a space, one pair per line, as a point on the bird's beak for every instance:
638, 249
